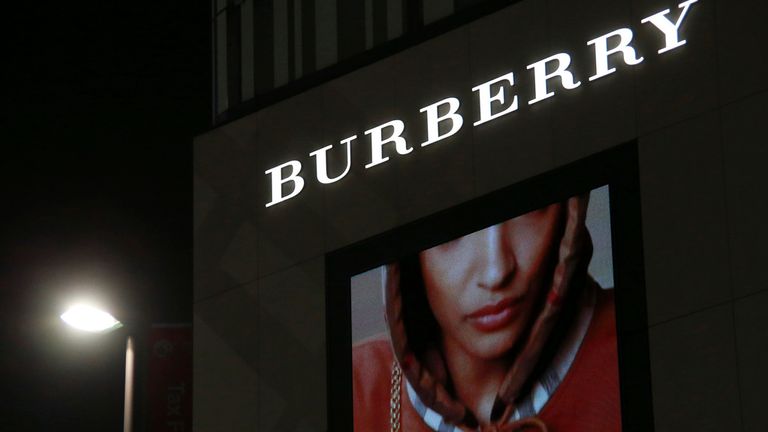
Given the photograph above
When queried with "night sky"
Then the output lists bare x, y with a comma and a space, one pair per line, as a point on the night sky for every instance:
102, 101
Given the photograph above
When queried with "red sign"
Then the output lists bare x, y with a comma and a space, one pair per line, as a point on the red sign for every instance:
169, 378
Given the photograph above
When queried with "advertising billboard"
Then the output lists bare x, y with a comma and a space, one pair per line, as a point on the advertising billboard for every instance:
504, 325
510, 312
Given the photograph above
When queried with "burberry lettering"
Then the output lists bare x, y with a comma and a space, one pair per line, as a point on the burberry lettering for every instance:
495, 98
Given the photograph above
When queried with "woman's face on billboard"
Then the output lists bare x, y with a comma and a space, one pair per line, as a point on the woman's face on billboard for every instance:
483, 287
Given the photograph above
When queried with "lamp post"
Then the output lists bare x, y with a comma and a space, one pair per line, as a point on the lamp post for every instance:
94, 320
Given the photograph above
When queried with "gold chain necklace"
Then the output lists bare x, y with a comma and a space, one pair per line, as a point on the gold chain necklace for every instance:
394, 408
394, 401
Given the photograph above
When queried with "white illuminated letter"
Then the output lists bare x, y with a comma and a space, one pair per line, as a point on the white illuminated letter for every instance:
670, 30
377, 141
484, 93
322, 162
434, 119
541, 76
278, 181
602, 52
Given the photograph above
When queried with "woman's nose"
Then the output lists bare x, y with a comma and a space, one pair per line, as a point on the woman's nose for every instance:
496, 261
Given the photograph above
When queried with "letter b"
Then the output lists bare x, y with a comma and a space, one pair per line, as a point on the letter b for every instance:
278, 181
434, 119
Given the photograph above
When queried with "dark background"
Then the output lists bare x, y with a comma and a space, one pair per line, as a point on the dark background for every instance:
101, 103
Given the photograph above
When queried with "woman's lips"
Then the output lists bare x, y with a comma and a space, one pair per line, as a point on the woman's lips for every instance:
495, 316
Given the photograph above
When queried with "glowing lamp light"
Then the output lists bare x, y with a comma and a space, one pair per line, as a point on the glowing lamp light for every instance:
90, 319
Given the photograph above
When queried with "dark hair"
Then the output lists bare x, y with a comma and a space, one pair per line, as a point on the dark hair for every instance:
421, 326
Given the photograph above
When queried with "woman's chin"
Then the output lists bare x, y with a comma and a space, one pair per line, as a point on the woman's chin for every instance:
494, 345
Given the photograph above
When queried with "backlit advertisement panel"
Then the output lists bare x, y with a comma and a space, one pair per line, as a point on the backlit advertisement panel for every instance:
522, 310
511, 325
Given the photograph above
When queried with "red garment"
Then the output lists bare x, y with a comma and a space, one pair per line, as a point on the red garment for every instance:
587, 400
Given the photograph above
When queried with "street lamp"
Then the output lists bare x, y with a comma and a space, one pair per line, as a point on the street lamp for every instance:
94, 320
90, 319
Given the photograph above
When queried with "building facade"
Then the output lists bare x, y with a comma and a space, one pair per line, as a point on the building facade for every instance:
295, 77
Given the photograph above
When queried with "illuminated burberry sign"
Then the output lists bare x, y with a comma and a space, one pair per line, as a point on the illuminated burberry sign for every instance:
609, 49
